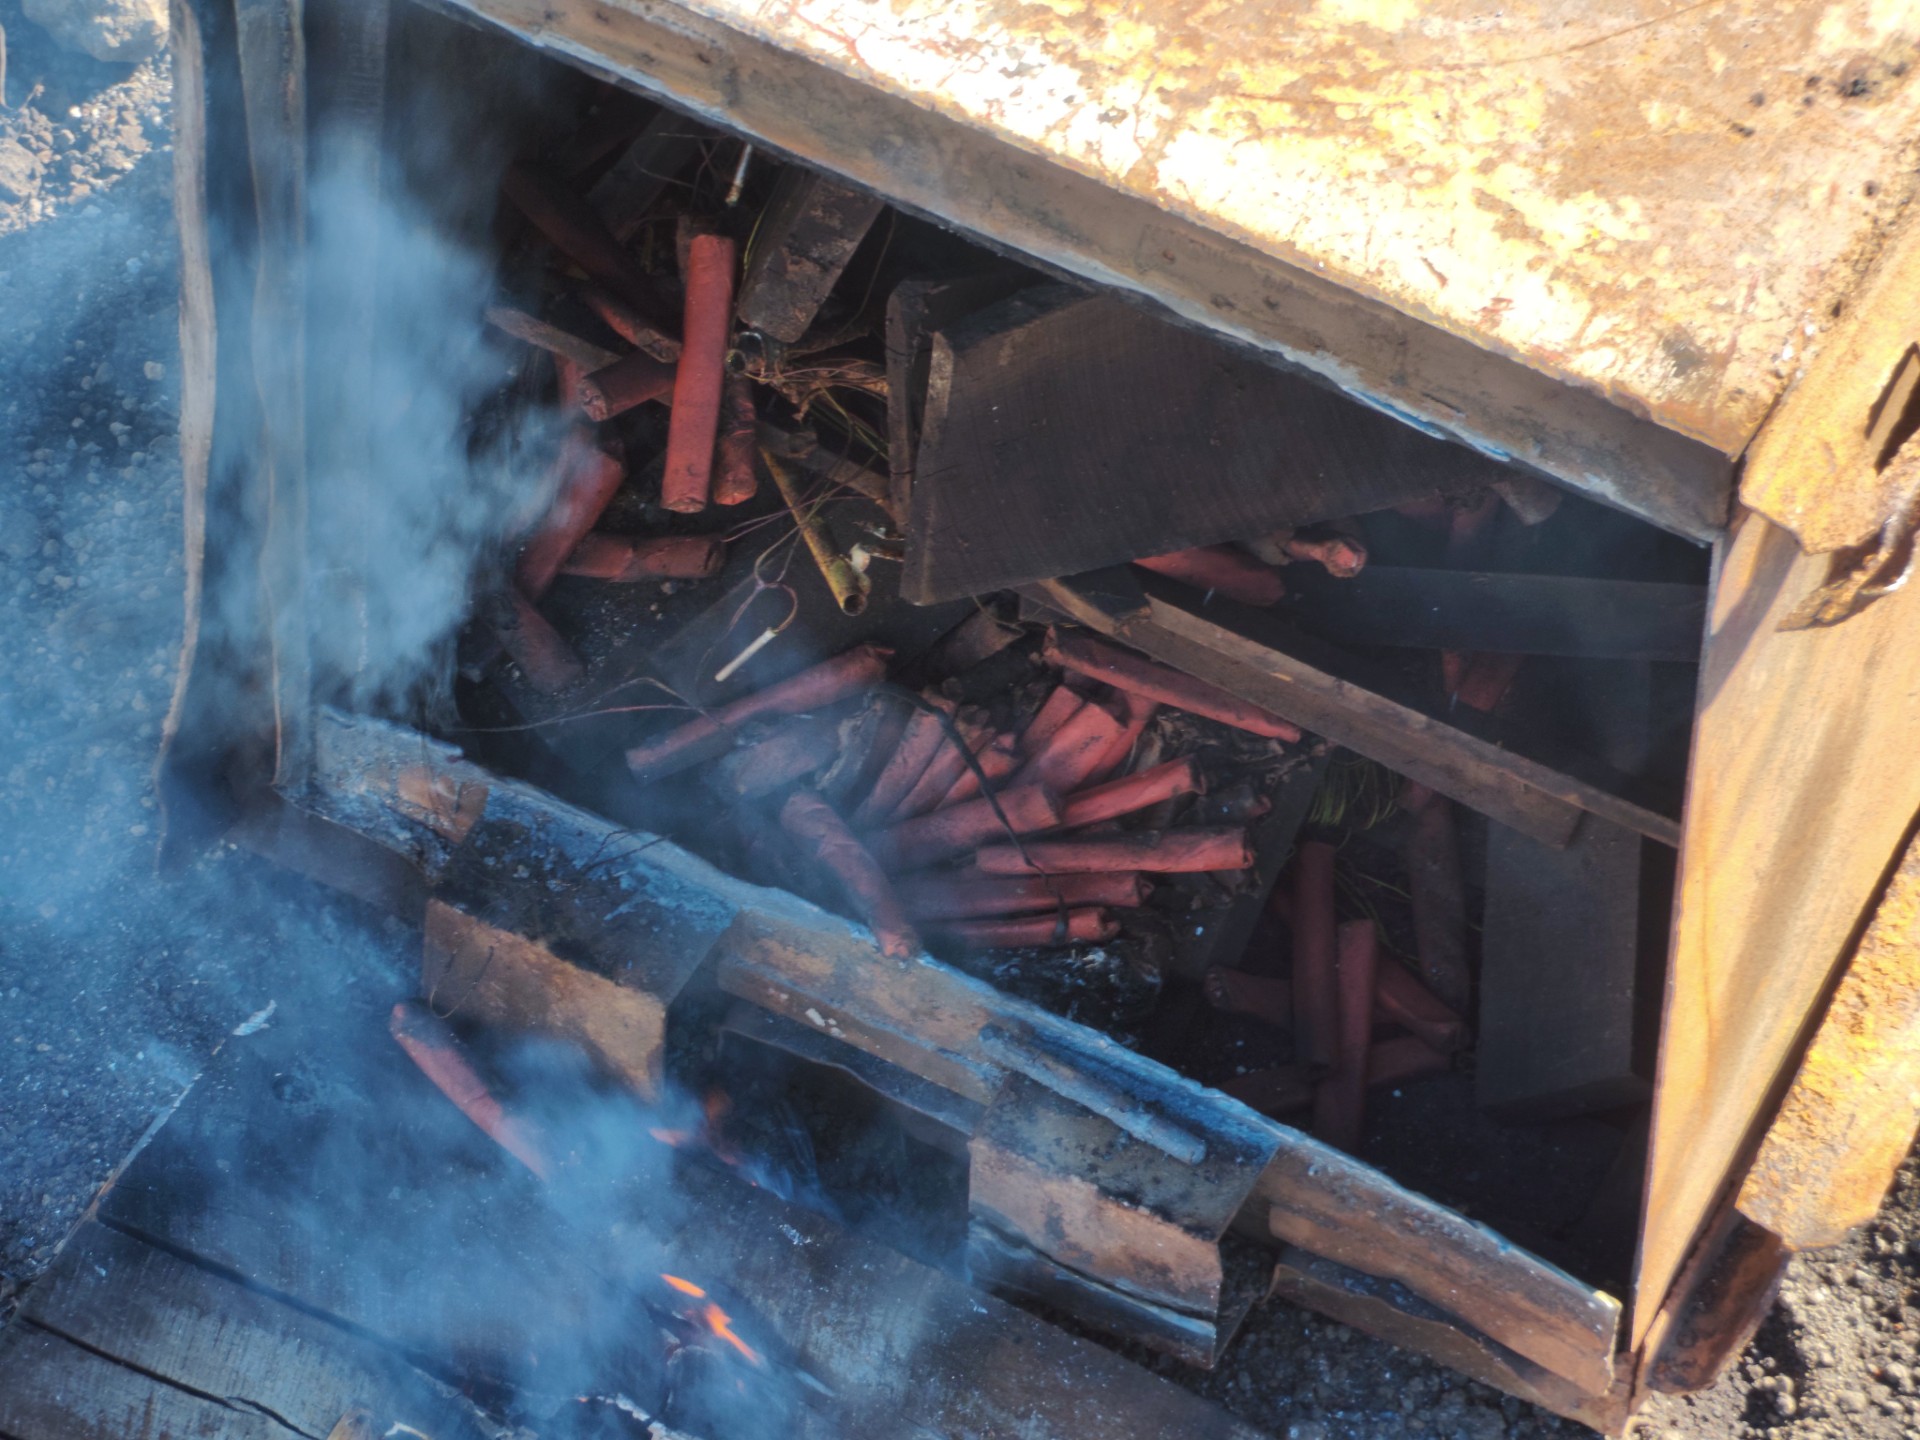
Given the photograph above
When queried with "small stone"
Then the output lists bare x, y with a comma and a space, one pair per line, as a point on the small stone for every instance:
123, 31
1853, 1402
19, 170
154, 370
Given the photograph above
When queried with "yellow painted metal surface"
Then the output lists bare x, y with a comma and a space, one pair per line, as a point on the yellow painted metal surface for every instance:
1659, 200
1850, 1117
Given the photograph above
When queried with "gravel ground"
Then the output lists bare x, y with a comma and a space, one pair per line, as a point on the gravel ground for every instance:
115, 988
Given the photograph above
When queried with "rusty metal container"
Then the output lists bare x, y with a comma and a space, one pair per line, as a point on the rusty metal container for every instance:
1666, 256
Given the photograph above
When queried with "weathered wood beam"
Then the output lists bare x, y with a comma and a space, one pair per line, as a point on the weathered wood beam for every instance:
807, 234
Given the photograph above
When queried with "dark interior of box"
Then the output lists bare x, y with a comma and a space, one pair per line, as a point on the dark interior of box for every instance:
1190, 977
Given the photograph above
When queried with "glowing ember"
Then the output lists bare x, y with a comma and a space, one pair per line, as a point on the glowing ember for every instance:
721, 1324
685, 1287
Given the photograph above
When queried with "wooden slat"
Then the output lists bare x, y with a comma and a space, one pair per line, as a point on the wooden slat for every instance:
1053, 396
807, 234
1800, 792
1530, 796
1390, 1311
52, 1389
153, 1312
1337, 1208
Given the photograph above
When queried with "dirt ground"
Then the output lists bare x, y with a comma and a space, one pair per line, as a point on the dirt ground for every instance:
115, 986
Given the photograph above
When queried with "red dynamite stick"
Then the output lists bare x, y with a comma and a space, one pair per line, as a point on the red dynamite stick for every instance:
569, 222
1340, 1100
1082, 926
736, 480
630, 381
666, 557
810, 820
846, 674
1101, 661
1134, 792
797, 749
431, 1044
1484, 679
1073, 752
946, 833
949, 763
1342, 557
922, 738
536, 647
1138, 712
589, 479
996, 762
1405, 1057
630, 325
1220, 568
970, 897
1054, 711
688, 478
1316, 1007
1399, 997
1158, 852
567, 379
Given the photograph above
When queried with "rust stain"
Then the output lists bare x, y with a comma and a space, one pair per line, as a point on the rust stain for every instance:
1614, 175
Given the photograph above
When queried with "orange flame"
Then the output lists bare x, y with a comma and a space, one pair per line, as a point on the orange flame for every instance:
685, 1287
722, 1325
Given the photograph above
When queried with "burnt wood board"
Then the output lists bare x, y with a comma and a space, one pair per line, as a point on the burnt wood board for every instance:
1062, 432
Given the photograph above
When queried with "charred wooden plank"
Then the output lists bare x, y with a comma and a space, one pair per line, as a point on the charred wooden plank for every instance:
1570, 968
634, 183
1849, 1119
183, 1325
53, 1389
1511, 614
1053, 397
1261, 661
805, 237
1339, 1209
1068, 1206
1393, 1313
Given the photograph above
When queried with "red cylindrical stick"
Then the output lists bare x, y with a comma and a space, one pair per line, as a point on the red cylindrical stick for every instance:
688, 479
1137, 713
1134, 792
1124, 671
846, 674
798, 748
626, 560
630, 325
1059, 707
996, 762
1223, 568
969, 897
1073, 752
570, 223
1316, 1005
1158, 852
736, 480
925, 733
812, 821
589, 478
1340, 1100
537, 648
949, 763
1400, 998
631, 380
1341, 556
1083, 926
431, 1044
946, 833
1405, 1057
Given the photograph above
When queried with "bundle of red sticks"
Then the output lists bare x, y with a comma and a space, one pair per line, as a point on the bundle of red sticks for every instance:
1035, 831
